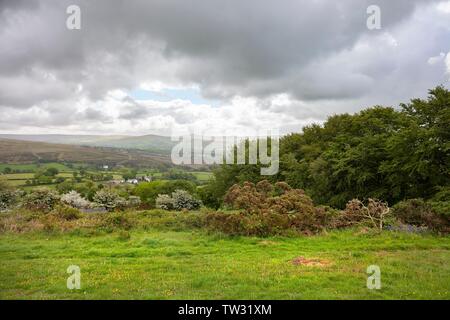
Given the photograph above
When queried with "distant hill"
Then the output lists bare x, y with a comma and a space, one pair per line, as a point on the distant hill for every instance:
16, 151
152, 143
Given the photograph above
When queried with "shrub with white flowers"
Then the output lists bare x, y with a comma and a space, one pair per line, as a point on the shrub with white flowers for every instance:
179, 200
8, 198
74, 199
41, 200
109, 200
164, 201
183, 200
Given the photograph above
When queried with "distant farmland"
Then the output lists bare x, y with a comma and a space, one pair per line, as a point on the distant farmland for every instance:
26, 152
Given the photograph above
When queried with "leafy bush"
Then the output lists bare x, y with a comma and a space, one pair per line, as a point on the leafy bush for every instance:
208, 197
41, 200
417, 212
441, 202
74, 199
65, 186
149, 191
109, 200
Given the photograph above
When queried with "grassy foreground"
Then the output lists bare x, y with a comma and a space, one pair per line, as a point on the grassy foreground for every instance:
194, 265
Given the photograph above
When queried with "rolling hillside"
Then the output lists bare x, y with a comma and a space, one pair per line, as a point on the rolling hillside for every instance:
151, 143
15, 151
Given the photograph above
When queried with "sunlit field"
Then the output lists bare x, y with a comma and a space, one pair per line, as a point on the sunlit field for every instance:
192, 264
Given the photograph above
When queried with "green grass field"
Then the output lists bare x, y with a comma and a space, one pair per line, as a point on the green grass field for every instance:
194, 265
202, 175
31, 167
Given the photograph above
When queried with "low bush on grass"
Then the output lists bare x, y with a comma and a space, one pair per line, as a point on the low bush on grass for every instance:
66, 213
42, 200
117, 220
418, 212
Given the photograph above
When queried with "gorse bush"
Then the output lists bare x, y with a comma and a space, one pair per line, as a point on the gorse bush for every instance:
66, 213
41, 200
269, 210
117, 220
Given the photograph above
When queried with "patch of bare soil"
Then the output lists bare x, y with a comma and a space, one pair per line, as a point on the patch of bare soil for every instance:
310, 262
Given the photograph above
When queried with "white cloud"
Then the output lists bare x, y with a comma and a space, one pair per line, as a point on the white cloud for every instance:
447, 62
444, 6
436, 59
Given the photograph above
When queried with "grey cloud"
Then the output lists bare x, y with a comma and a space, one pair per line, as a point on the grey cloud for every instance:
306, 49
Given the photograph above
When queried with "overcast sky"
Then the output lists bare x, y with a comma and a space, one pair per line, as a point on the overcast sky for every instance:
145, 67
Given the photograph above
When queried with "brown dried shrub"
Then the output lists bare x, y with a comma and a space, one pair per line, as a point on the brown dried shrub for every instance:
268, 211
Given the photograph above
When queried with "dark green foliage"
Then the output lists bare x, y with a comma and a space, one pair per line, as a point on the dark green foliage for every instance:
65, 186
174, 174
149, 191
379, 153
